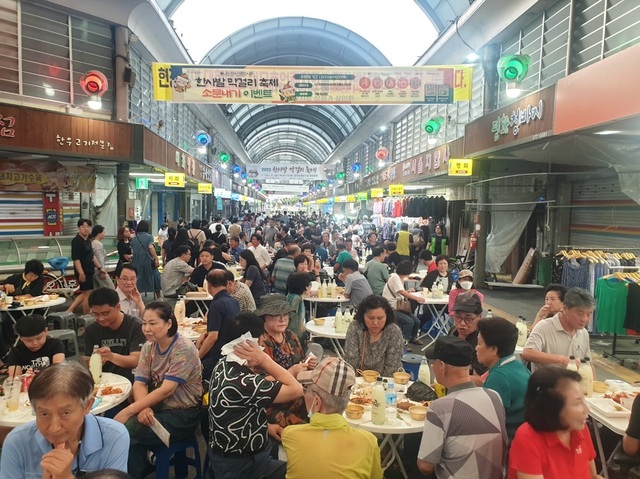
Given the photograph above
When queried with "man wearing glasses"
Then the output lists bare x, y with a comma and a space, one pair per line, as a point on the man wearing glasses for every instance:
130, 298
118, 335
467, 311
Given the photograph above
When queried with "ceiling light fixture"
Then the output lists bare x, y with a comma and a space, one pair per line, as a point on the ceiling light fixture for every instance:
95, 102
513, 90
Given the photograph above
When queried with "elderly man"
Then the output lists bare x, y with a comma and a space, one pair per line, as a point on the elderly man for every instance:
339, 451
552, 341
283, 268
464, 434
270, 231
130, 298
259, 251
356, 286
241, 292
467, 311
176, 272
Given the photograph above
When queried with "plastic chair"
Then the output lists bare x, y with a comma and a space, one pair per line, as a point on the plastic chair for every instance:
67, 335
176, 455
316, 349
624, 461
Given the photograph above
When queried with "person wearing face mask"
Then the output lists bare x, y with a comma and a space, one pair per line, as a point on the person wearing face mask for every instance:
464, 283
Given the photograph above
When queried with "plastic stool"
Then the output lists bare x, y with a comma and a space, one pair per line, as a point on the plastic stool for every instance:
176, 455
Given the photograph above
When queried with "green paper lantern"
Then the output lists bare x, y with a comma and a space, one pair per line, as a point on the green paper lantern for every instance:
432, 127
224, 157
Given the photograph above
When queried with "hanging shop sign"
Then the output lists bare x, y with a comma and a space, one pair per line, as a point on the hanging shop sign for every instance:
377, 192
19, 175
142, 183
184, 83
67, 135
52, 209
205, 188
362, 196
527, 119
322, 201
174, 180
351, 198
218, 203
396, 190
460, 167
340, 199
279, 171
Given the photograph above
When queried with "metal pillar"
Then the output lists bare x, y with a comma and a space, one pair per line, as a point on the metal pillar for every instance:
122, 193
479, 272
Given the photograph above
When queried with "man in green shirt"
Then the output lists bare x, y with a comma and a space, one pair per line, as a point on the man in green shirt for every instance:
376, 270
343, 255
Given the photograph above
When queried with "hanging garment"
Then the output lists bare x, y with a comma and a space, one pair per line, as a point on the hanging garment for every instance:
611, 296
632, 316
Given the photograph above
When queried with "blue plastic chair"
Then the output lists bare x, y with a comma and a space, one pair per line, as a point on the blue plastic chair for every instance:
176, 455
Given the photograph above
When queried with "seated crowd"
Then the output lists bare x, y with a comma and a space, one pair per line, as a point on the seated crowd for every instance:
274, 409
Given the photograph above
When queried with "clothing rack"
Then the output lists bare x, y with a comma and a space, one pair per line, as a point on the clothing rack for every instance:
604, 248
614, 349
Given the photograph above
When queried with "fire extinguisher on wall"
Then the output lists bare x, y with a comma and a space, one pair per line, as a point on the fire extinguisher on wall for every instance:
474, 240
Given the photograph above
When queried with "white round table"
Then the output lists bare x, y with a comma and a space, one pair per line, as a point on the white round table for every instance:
328, 330
405, 425
25, 412
440, 318
46, 305
202, 302
339, 299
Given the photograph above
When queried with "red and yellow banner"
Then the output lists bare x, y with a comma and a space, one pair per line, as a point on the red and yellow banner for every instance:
184, 83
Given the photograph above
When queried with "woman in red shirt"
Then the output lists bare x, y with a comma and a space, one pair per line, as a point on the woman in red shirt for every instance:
554, 442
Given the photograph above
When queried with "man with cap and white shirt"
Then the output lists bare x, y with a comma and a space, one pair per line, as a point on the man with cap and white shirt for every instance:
328, 446
464, 433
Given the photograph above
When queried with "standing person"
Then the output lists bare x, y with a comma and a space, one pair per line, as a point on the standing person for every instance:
167, 387
339, 451
167, 246
252, 276
404, 240
97, 235
469, 445
130, 298
259, 251
240, 447
222, 309
117, 335
65, 439
145, 260
196, 240
438, 243
163, 234
508, 376
356, 286
374, 340
393, 291
554, 340
298, 285
376, 270
124, 246
84, 264
553, 299
283, 268
269, 232
555, 442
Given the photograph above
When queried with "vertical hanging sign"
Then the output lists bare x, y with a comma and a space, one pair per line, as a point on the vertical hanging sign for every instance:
52, 210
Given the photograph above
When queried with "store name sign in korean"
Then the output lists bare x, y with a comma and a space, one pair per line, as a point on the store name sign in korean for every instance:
205, 188
517, 118
460, 167
396, 190
223, 84
280, 171
175, 180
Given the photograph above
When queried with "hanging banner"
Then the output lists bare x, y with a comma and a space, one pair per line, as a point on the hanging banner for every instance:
460, 167
174, 180
351, 199
19, 175
184, 83
377, 192
362, 196
205, 188
278, 171
396, 190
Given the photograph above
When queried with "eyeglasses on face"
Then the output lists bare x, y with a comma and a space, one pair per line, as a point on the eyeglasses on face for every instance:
467, 318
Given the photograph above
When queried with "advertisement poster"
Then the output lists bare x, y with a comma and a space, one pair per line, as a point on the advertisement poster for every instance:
46, 176
279, 171
374, 85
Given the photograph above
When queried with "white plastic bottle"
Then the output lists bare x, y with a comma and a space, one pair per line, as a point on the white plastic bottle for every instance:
95, 365
379, 404
323, 289
334, 289
489, 314
424, 373
522, 332
339, 322
180, 310
572, 364
587, 377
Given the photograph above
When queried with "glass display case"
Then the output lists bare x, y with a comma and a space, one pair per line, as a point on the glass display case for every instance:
15, 252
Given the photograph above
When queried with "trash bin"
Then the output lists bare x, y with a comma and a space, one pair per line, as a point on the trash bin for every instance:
411, 364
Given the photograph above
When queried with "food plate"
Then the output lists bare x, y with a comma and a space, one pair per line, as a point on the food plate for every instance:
608, 407
111, 390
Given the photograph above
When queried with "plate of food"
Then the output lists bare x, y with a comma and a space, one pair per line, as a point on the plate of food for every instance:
608, 407
109, 390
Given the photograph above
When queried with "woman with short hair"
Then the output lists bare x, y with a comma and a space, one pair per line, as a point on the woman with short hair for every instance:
394, 291
554, 442
65, 440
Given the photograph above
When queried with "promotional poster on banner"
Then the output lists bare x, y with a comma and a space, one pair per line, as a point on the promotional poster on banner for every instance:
293, 171
373, 85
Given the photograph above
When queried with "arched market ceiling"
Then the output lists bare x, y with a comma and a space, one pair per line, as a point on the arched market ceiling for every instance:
294, 132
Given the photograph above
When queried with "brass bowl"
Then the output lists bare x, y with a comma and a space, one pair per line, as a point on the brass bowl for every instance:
354, 411
418, 413
369, 375
401, 377
319, 321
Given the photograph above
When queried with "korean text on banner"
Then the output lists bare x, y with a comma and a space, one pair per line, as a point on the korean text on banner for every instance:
175, 180
205, 188
380, 85
279, 171
460, 167
377, 192
396, 190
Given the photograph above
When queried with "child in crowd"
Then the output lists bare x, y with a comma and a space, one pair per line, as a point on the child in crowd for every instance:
35, 350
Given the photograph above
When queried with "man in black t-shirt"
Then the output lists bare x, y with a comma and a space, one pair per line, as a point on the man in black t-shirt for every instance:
35, 350
118, 336
84, 264
30, 281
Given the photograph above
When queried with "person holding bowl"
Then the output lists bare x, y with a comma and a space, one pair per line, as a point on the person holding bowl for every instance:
374, 340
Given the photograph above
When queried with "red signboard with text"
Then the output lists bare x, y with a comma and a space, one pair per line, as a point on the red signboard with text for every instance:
52, 209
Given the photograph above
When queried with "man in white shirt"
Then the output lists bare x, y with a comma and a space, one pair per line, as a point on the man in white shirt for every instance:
260, 252
217, 221
130, 299
270, 231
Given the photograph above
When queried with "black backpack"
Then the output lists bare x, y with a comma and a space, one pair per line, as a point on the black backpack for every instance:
194, 245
